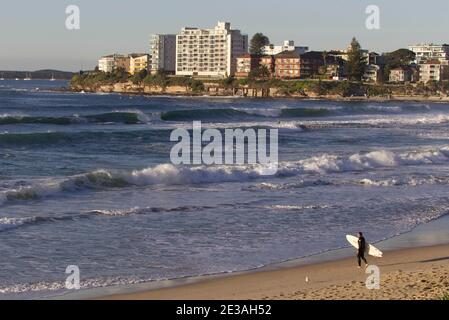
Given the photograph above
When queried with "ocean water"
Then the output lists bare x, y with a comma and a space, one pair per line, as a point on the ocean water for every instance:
86, 180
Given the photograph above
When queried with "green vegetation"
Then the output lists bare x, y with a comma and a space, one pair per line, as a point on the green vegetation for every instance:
94, 79
139, 77
355, 67
197, 86
398, 58
229, 82
157, 80
445, 297
230, 85
258, 41
260, 73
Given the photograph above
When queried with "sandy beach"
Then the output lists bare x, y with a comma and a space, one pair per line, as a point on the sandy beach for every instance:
421, 273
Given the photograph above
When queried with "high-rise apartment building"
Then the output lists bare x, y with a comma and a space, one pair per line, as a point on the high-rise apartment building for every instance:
209, 52
163, 53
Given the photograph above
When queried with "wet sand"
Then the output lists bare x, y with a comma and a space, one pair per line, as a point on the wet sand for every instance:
419, 273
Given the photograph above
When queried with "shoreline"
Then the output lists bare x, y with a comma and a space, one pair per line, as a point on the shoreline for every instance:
379, 99
334, 270
407, 274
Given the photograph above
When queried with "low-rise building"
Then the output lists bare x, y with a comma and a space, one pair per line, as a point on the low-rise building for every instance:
311, 63
401, 75
107, 63
162, 53
433, 70
287, 65
374, 58
289, 45
370, 57
130, 63
335, 71
138, 62
290, 65
247, 64
269, 63
429, 52
373, 73
122, 62
340, 54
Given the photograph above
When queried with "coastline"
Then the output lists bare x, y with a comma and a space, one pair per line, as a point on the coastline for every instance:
416, 99
298, 90
415, 266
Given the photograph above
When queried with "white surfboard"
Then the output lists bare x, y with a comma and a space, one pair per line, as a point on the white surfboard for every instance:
370, 249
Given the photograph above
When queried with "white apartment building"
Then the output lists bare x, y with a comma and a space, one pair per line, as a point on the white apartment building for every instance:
426, 52
163, 53
107, 63
289, 45
433, 71
209, 52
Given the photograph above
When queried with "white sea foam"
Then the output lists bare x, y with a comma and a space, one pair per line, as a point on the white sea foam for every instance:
294, 125
7, 223
117, 212
373, 160
60, 286
407, 181
168, 174
380, 121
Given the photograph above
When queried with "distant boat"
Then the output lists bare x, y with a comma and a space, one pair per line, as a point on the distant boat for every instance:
52, 77
1, 79
17, 79
28, 77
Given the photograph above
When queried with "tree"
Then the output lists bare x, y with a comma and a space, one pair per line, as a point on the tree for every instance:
398, 58
119, 75
401, 57
260, 73
258, 41
228, 82
139, 76
355, 68
157, 80
197, 86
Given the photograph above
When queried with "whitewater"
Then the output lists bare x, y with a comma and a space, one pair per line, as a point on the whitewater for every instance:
86, 180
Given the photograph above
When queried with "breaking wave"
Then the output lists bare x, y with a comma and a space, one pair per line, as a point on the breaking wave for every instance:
378, 122
366, 182
235, 113
7, 223
242, 114
168, 174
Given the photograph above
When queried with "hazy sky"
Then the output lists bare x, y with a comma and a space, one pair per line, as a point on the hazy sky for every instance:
33, 34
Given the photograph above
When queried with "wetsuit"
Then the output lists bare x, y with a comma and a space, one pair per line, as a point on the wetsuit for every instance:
361, 251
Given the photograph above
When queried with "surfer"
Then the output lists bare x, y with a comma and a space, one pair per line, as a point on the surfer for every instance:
361, 251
